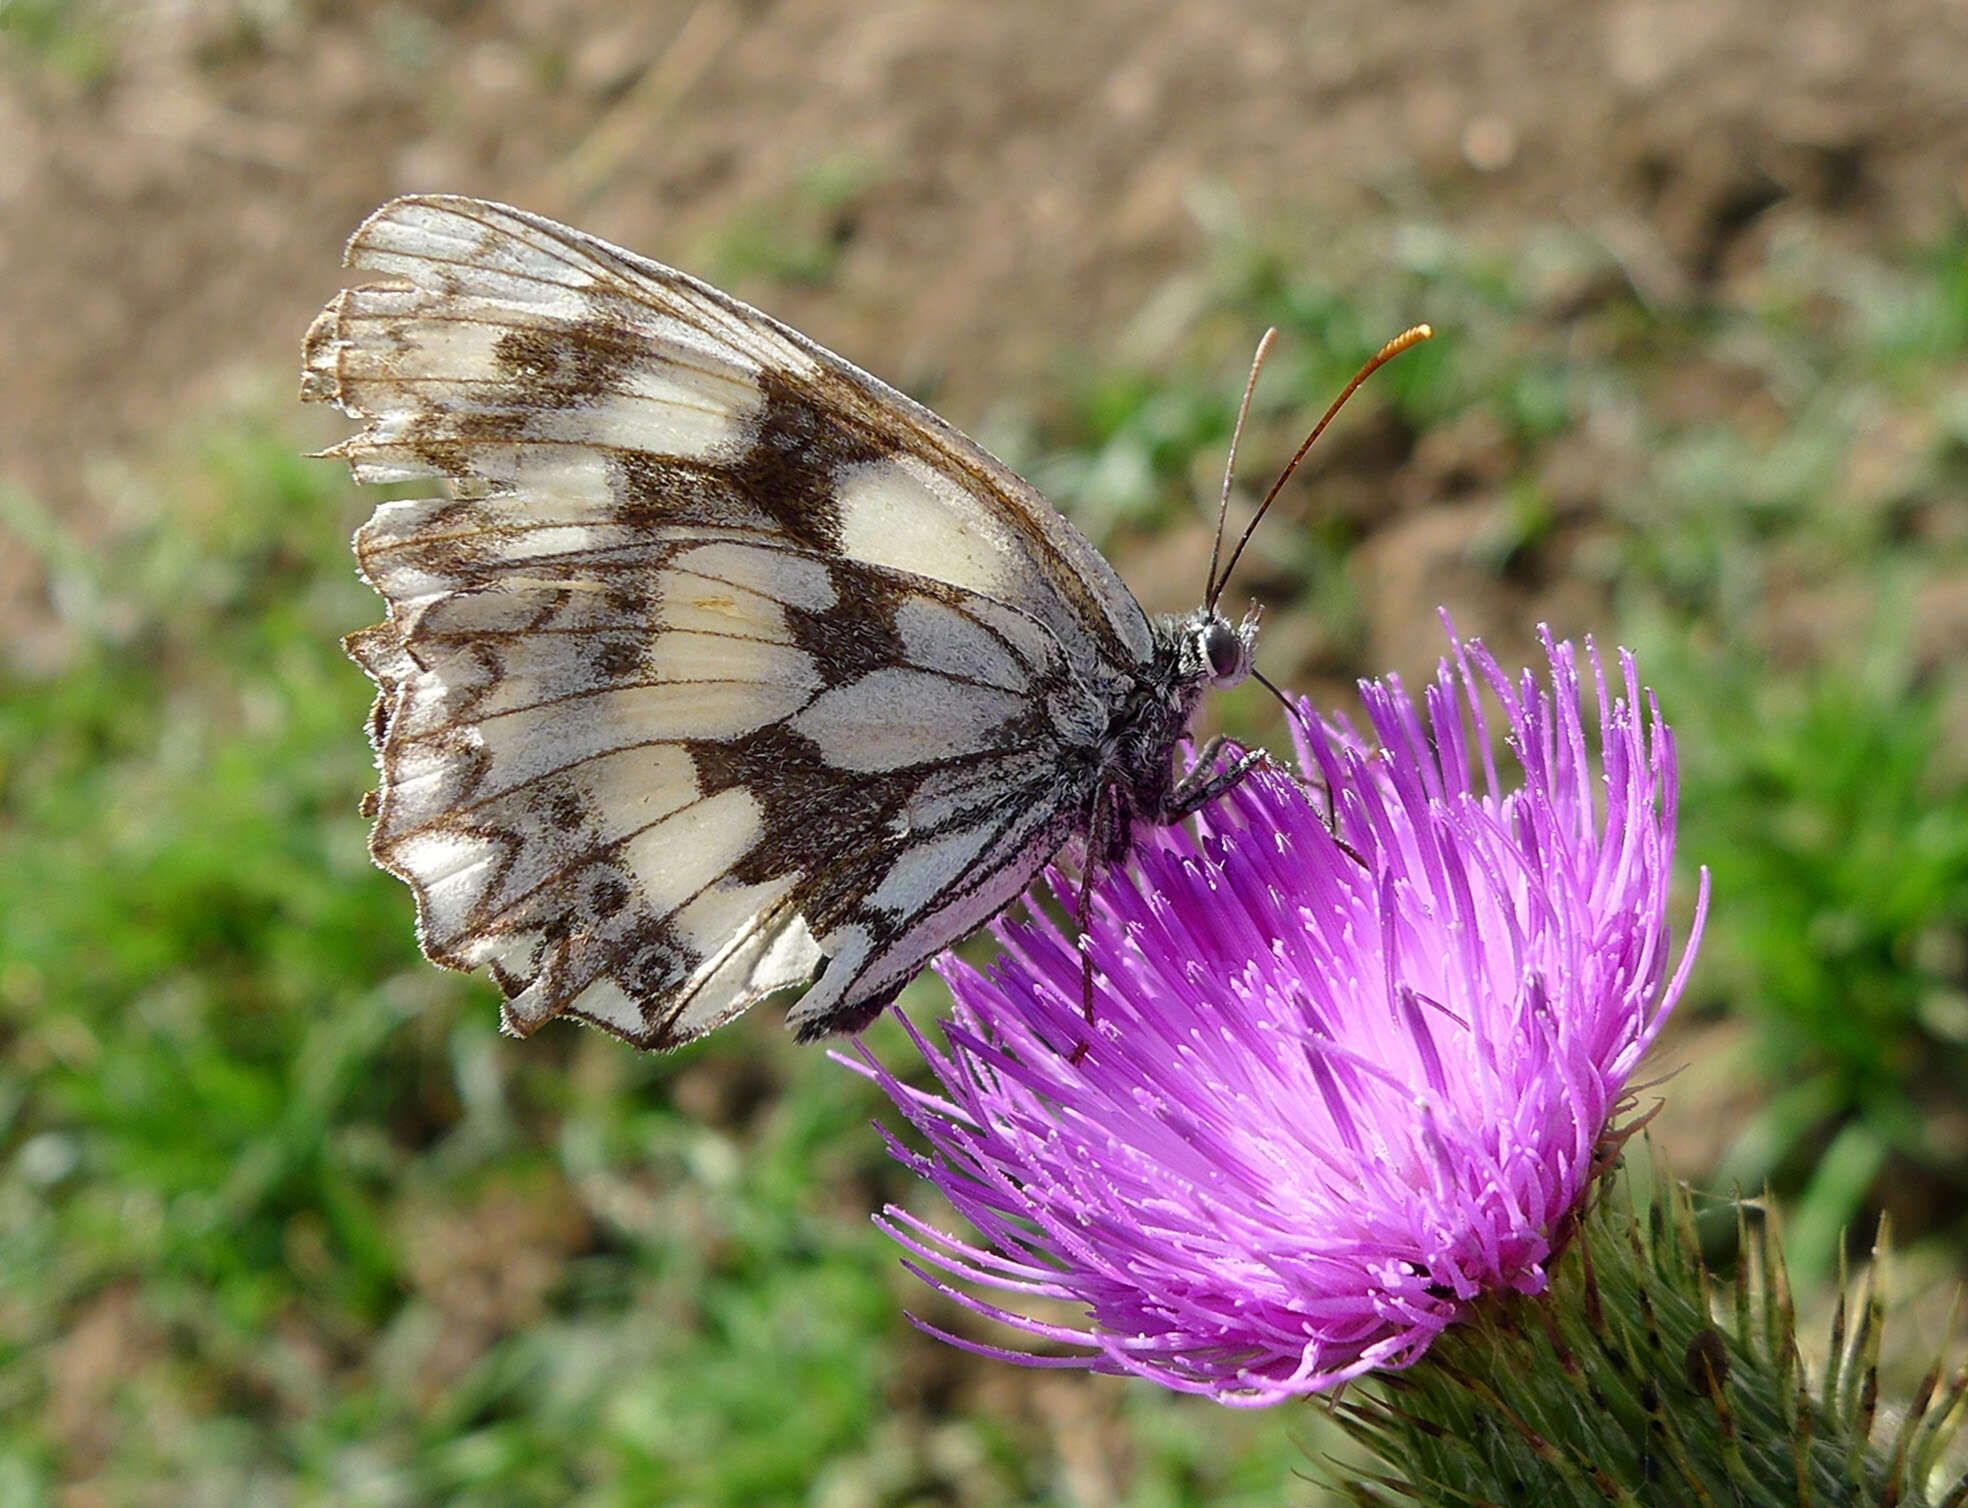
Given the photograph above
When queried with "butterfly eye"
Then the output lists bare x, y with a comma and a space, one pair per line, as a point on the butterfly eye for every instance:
1224, 649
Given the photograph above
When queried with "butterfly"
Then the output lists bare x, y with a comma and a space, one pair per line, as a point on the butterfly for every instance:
722, 667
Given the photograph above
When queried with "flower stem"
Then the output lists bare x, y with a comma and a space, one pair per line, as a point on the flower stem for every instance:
1627, 1382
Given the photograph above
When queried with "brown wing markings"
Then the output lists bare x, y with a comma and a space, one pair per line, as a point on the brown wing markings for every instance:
855, 825
632, 278
1076, 574
495, 316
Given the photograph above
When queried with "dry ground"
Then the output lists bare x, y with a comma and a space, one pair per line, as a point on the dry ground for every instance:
996, 183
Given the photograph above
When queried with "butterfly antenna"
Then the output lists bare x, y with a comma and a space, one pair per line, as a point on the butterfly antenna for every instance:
1230, 462
1409, 337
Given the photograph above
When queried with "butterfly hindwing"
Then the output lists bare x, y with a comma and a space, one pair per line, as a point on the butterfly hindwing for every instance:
648, 788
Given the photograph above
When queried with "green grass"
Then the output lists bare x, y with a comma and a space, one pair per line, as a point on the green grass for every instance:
69, 39
796, 236
1839, 847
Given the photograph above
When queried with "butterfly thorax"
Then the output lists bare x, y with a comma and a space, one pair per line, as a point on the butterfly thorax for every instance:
1193, 653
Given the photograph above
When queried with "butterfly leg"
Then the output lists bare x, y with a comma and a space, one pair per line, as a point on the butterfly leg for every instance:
1101, 834
1332, 826
1331, 816
1204, 783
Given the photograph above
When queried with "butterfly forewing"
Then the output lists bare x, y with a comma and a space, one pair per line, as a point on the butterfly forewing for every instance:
723, 666
540, 361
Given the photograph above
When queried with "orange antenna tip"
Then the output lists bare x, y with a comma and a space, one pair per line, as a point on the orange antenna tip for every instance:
1412, 336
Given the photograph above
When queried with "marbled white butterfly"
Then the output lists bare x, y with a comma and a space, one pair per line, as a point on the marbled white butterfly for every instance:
723, 667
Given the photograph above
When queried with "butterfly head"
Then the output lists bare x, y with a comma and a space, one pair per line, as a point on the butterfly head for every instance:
1215, 651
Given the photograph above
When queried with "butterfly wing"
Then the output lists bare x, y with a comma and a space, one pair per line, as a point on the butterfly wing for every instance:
723, 666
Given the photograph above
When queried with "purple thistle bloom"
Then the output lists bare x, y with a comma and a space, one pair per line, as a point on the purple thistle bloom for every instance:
1336, 1090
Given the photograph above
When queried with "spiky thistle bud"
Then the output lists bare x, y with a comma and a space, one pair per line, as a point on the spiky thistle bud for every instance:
1637, 1378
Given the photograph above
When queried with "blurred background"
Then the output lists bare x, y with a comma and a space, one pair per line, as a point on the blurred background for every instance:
284, 1220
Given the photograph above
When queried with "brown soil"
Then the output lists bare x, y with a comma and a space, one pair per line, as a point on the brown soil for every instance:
172, 212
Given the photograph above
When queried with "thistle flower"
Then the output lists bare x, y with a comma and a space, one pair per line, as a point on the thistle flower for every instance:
1348, 1073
